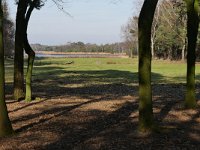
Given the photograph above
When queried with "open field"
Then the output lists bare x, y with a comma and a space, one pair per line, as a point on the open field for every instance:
162, 71
92, 104
80, 54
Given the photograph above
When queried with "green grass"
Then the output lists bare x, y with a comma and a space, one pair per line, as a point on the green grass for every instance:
103, 70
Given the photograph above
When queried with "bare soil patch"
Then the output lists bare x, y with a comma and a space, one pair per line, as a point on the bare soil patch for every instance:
101, 117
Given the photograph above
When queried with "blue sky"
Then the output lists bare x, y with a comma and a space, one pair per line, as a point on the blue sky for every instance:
92, 21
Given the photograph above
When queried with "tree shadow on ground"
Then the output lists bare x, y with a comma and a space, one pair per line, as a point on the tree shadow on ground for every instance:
65, 83
100, 129
52, 82
118, 130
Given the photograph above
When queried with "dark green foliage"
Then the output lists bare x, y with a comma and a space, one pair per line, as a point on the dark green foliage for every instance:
170, 30
82, 47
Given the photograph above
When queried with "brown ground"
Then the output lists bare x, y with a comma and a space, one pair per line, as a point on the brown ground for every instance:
100, 117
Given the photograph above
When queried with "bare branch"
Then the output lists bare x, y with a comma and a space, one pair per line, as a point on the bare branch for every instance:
59, 4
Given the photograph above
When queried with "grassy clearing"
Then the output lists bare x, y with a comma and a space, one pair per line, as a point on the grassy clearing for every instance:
93, 104
104, 70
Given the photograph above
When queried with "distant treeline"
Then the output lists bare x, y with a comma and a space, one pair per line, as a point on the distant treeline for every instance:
82, 47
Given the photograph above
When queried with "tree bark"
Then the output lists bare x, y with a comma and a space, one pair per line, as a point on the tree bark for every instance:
31, 55
145, 92
192, 31
5, 125
19, 53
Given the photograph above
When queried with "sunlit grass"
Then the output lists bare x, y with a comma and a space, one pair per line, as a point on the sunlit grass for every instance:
84, 68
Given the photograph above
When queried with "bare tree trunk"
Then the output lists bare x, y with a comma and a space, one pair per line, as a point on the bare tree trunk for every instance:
18, 71
5, 125
19, 52
31, 56
153, 30
152, 48
144, 37
183, 53
192, 31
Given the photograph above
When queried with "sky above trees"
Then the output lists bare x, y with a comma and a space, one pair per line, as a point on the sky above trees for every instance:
91, 21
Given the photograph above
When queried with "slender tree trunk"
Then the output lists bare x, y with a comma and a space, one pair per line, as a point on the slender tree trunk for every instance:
183, 53
192, 31
153, 30
31, 57
18, 70
145, 92
5, 125
152, 48
19, 53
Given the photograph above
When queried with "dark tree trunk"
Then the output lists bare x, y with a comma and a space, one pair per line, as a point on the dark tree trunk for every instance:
19, 53
5, 125
31, 56
145, 94
192, 31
